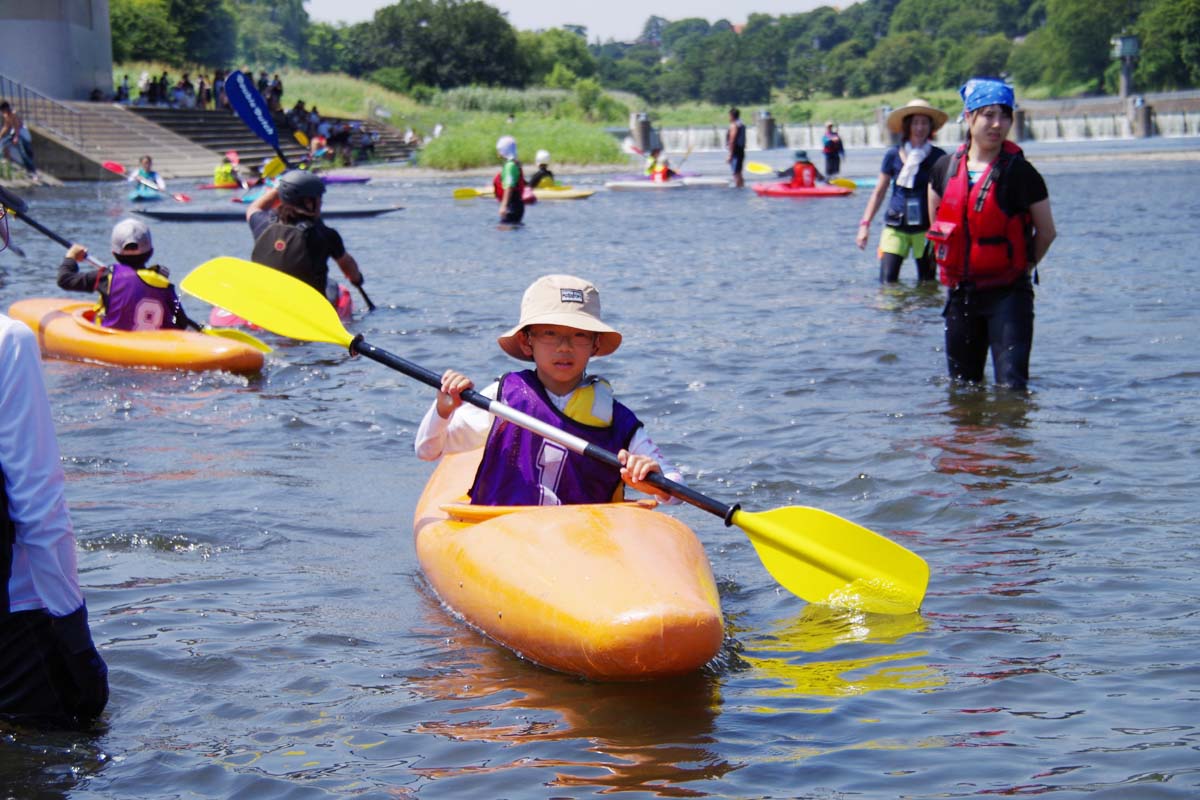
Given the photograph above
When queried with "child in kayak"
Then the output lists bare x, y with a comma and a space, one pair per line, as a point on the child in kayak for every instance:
560, 330
543, 174
133, 296
803, 172
290, 236
146, 180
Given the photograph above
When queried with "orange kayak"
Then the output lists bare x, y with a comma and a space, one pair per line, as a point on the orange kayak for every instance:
614, 592
66, 329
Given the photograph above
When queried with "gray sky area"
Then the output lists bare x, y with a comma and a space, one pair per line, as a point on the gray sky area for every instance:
613, 19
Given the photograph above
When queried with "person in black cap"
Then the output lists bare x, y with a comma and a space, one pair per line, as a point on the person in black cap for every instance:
289, 235
803, 172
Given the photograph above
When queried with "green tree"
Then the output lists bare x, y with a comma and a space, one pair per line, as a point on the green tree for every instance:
1169, 32
324, 50
543, 50
446, 43
1081, 30
142, 31
271, 32
208, 29
899, 60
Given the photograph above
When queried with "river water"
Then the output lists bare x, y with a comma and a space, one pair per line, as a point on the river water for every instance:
246, 544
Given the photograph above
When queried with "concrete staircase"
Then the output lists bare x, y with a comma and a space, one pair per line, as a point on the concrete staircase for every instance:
110, 132
221, 131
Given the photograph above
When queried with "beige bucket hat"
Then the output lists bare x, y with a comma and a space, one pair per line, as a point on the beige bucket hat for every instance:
561, 300
895, 120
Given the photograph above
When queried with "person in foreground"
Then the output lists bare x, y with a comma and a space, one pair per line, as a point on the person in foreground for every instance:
803, 173
560, 330
543, 174
134, 296
509, 183
49, 667
905, 169
992, 226
289, 235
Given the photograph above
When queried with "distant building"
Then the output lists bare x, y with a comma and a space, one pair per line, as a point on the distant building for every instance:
61, 49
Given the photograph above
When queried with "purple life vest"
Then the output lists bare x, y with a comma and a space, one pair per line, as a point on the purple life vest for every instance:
134, 305
521, 468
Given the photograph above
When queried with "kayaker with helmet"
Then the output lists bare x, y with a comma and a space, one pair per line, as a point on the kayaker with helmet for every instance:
509, 183
992, 226
289, 235
559, 331
803, 173
134, 295
51, 670
543, 174
905, 170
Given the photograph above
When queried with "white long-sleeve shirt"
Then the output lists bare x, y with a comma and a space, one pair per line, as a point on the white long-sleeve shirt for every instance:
44, 571
467, 428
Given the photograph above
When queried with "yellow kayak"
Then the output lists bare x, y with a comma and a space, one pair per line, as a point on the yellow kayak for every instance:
614, 592
563, 194
66, 329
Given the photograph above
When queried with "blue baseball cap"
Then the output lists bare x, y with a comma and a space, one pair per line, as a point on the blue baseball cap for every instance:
980, 92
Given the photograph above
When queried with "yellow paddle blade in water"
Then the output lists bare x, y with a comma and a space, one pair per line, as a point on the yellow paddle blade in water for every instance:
238, 336
758, 168
464, 194
268, 298
829, 560
844, 182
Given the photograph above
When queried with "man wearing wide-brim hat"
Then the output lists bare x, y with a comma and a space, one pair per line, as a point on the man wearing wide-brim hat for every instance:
905, 171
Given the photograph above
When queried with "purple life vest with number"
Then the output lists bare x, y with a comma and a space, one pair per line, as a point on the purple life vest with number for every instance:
135, 305
521, 468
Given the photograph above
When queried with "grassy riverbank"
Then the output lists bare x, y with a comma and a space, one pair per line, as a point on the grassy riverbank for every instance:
571, 124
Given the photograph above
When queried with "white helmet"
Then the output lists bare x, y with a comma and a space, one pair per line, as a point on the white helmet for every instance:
543, 156
507, 146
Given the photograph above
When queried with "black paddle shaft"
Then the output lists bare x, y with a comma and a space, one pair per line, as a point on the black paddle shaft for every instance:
429, 378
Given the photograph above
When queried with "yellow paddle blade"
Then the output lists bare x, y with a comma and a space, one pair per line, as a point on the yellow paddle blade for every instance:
846, 182
463, 194
301, 137
758, 168
273, 168
268, 298
238, 336
829, 560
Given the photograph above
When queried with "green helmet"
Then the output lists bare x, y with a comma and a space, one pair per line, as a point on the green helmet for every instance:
295, 185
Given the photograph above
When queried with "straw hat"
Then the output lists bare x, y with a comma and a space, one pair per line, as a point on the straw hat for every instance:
895, 120
561, 300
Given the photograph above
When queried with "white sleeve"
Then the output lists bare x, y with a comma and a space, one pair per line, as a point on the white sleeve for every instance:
44, 568
466, 429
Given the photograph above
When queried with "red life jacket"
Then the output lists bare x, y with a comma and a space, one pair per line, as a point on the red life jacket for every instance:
498, 187
804, 174
975, 241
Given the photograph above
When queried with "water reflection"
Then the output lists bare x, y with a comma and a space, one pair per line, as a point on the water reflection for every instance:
650, 737
48, 763
874, 662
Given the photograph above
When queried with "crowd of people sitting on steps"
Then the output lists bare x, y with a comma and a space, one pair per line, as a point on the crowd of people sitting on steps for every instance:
340, 142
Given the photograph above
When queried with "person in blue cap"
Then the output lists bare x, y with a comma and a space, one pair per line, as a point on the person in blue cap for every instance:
992, 226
